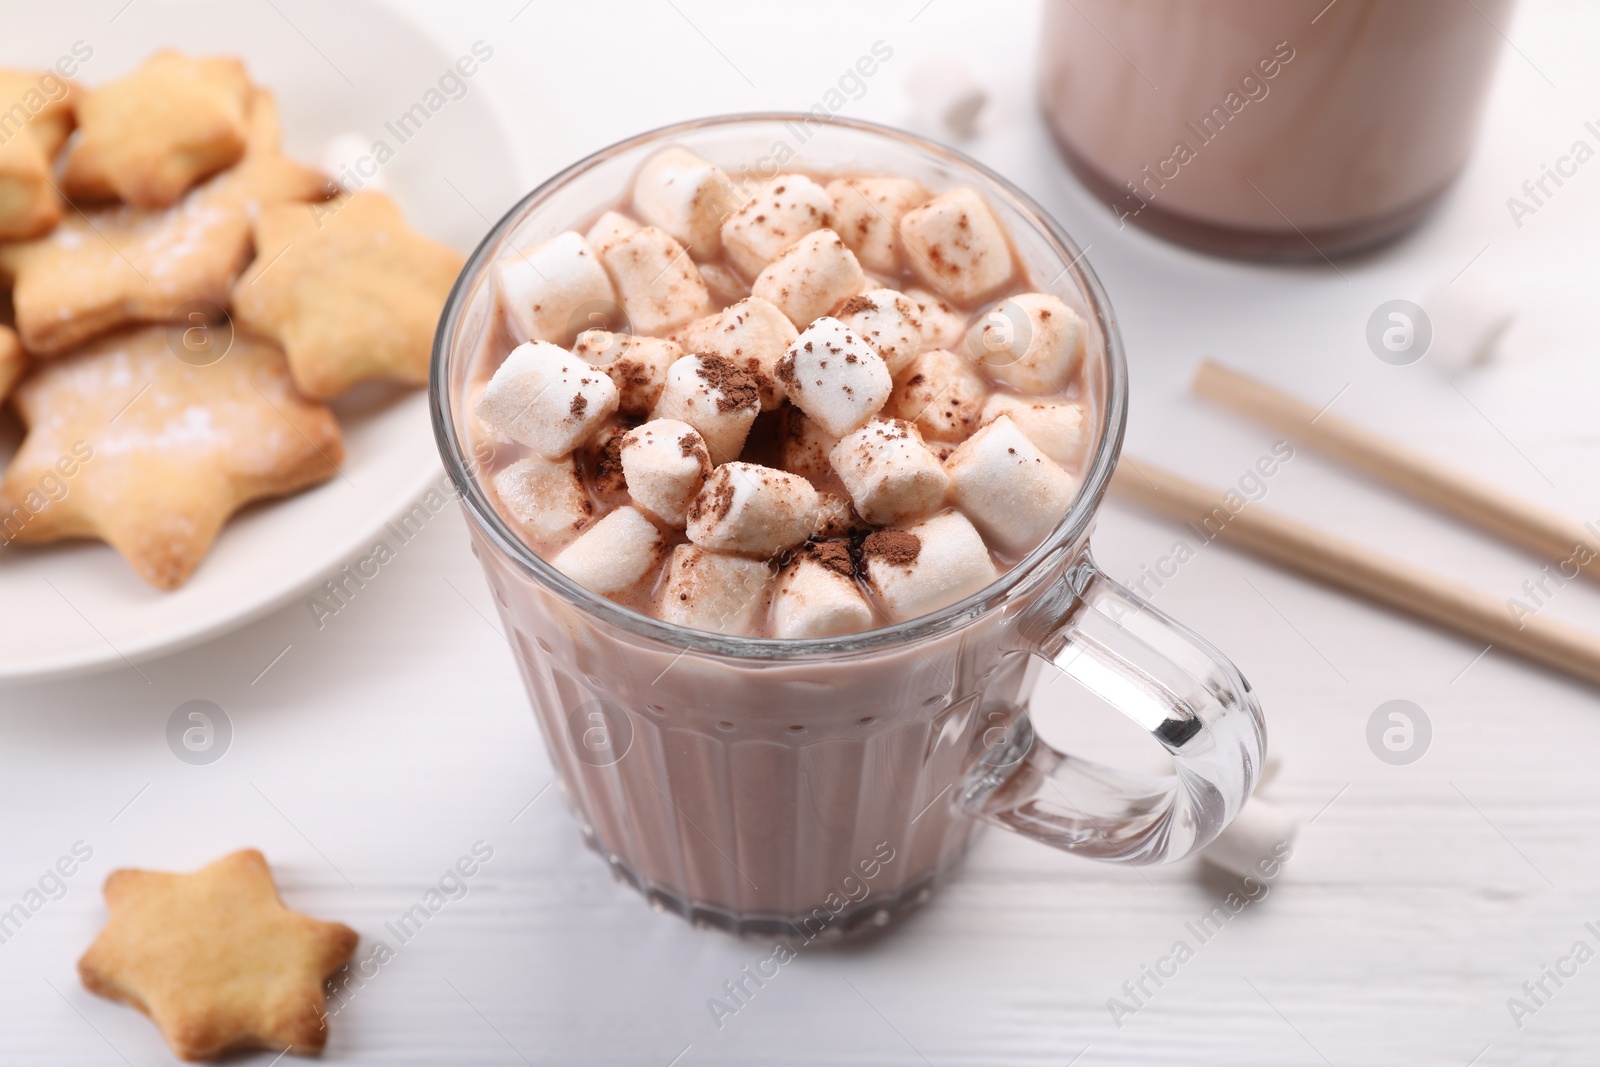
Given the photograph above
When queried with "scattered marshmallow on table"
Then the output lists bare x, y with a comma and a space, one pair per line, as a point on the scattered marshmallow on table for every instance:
715, 397
811, 277
886, 320
1060, 429
753, 335
1032, 342
947, 97
957, 247
546, 398
608, 229
889, 473
546, 497
1468, 319
753, 510
657, 283
665, 463
942, 325
834, 376
817, 595
927, 566
1260, 838
781, 212
614, 554
636, 364
803, 446
867, 213
349, 157
713, 591
942, 393
549, 293
685, 196
1010, 490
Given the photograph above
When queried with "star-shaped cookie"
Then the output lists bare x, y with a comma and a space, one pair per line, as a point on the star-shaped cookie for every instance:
348, 290
131, 444
35, 119
13, 361
147, 137
123, 264
215, 959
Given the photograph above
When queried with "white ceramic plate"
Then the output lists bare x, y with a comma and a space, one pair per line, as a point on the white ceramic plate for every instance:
335, 68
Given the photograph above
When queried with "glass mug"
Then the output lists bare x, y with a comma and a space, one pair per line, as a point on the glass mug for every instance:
824, 786
1282, 129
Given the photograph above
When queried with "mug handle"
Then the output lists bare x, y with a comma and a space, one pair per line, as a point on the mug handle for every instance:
1164, 677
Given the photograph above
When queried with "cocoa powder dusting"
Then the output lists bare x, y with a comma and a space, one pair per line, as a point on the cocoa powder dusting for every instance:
834, 555
855, 304
897, 548
579, 403
738, 388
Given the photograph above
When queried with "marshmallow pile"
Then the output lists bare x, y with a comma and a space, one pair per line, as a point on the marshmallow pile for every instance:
791, 408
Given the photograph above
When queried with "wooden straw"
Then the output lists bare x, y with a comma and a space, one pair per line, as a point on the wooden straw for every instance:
1361, 571
1544, 533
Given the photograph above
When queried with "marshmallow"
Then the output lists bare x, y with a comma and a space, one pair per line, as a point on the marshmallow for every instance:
546, 497
927, 566
782, 211
887, 321
1008, 488
602, 459
946, 95
724, 285
835, 518
834, 376
817, 595
547, 399
956, 246
1060, 430
890, 475
665, 463
550, 293
1032, 342
716, 398
636, 364
608, 229
714, 592
614, 554
752, 335
1467, 319
348, 157
811, 277
942, 394
867, 213
942, 326
803, 446
685, 196
1257, 841
658, 284
753, 510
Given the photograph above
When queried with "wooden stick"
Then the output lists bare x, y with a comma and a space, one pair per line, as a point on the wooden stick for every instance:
1361, 571
1544, 533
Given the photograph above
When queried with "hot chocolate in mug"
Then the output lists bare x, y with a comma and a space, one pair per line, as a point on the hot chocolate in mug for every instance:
823, 786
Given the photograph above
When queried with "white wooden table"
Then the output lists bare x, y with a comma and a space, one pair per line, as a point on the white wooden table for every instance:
381, 747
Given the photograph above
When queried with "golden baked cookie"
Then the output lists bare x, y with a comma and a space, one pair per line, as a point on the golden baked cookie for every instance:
35, 119
124, 264
215, 959
13, 361
161, 451
147, 137
348, 290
